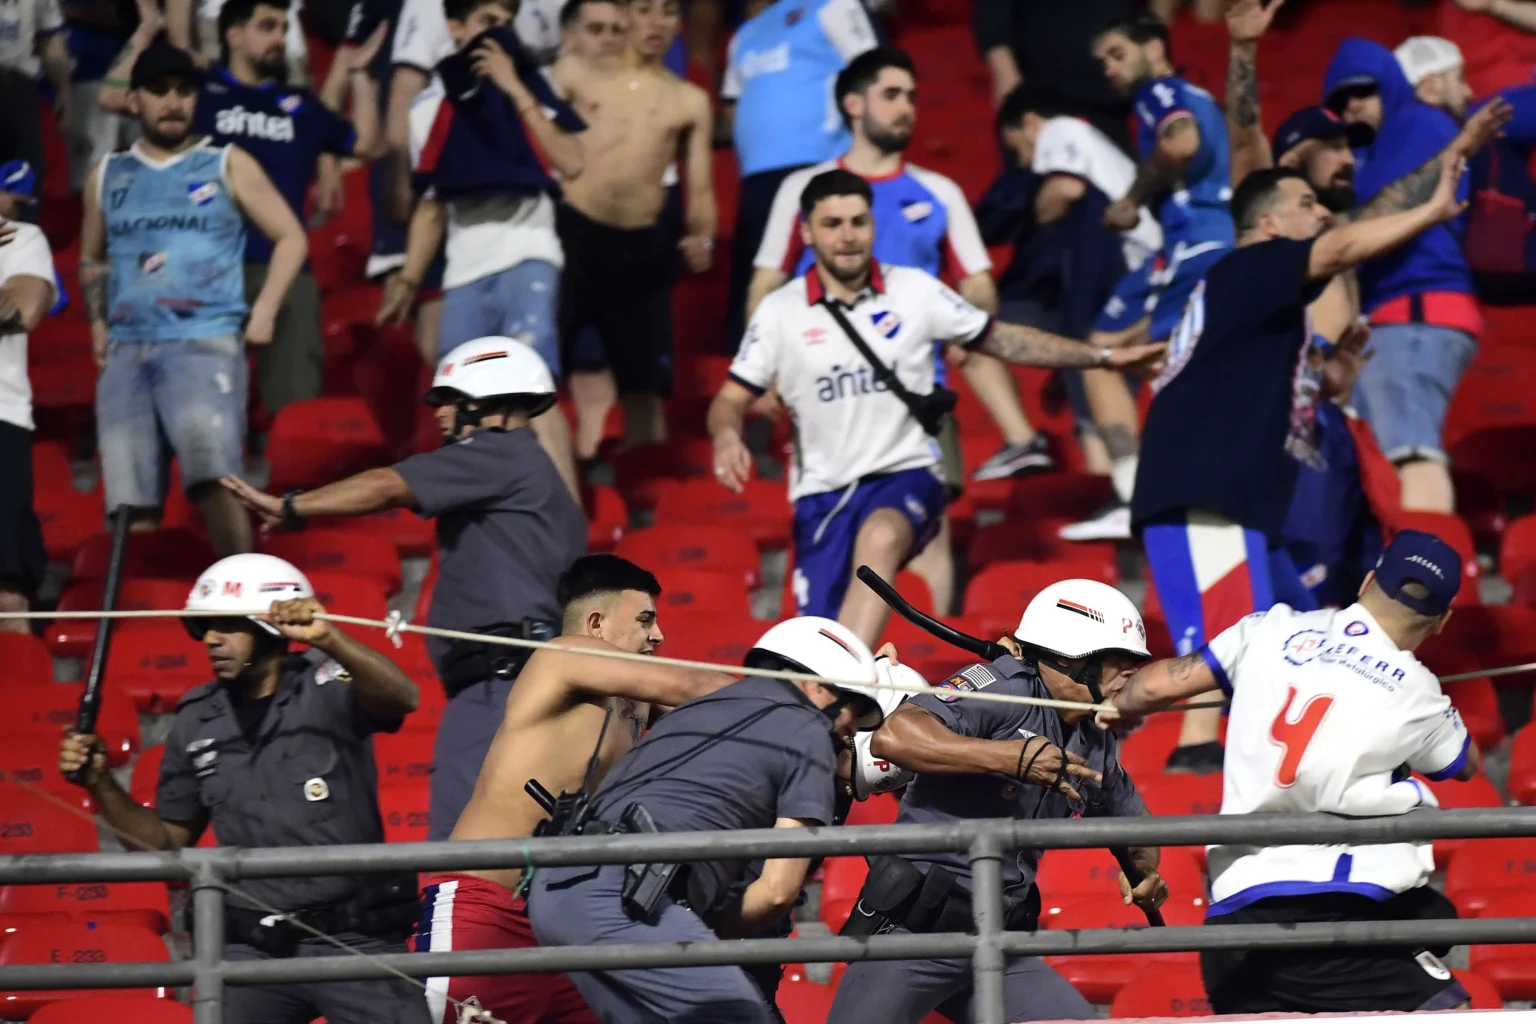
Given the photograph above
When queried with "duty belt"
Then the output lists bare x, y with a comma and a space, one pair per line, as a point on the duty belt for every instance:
468, 663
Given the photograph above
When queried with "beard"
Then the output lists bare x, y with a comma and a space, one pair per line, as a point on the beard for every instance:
888, 139
273, 66
166, 139
1337, 198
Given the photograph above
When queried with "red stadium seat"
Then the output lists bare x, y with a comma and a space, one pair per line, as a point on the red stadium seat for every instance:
404, 758
68, 385
153, 662
404, 810
68, 519
1522, 767
1100, 977
1483, 871
877, 810
804, 1002
1511, 968
1163, 992
131, 904
719, 548
163, 555
1001, 591
762, 510
50, 467
348, 593
78, 944
33, 760
723, 640
1478, 703
1517, 550
146, 775
842, 878
1066, 876
339, 550
607, 517
320, 440
700, 376
1491, 635
1454, 532
37, 822
1475, 792
1181, 794
1145, 752
1034, 540
1484, 995
411, 535
1505, 455
1058, 495
429, 712
638, 472
124, 1009
46, 710
26, 660
701, 590
932, 658
72, 638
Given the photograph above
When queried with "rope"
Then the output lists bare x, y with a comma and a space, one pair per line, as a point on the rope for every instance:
395, 624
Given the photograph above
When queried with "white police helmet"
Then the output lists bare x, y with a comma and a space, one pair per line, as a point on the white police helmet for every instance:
493, 367
242, 583
1078, 618
872, 775
823, 647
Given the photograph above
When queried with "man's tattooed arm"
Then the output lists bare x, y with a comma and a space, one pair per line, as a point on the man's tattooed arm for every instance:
1415, 187
94, 275
1243, 87
1028, 346
1160, 684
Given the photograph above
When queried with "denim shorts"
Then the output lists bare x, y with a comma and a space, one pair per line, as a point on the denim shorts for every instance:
1405, 389
521, 302
155, 399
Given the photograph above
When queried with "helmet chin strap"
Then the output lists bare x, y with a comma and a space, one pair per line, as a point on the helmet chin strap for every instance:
1087, 674
464, 416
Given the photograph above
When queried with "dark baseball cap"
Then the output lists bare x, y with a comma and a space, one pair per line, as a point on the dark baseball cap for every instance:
1320, 123
162, 60
1418, 557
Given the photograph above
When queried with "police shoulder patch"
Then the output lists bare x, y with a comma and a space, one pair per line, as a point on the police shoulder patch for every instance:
329, 670
977, 677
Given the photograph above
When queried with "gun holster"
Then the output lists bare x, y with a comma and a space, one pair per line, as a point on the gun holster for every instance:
897, 895
646, 886
469, 662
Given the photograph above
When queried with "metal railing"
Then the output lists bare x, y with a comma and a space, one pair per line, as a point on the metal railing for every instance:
985, 842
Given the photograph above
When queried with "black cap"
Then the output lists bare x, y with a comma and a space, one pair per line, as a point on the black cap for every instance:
1320, 123
161, 60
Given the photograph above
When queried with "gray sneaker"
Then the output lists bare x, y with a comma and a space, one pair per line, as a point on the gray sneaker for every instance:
1112, 522
1017, 460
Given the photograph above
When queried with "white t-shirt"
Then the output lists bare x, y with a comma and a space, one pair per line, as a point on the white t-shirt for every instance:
27, 255
1067, 145
847, 425
492, 234
22, 22
1325, 708
422, 38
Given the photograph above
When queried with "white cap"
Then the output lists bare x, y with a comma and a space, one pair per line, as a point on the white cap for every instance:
491, 368
242, 583
1422, 56
871, 774
823, 647
1076, 618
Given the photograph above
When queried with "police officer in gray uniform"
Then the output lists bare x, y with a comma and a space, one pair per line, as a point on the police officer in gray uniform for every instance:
278, 751
758, 753
507, 528
1079, 640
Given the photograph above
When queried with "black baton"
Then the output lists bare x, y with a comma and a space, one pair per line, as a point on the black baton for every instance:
90, 700
991, 652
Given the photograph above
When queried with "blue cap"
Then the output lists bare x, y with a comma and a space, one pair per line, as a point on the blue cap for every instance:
1319, 123
1418, 557
18, 176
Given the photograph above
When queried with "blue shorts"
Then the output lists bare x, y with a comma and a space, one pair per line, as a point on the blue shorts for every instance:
827, 524
190, 394
1210, 572
1405, 389
521, 302
1160, 289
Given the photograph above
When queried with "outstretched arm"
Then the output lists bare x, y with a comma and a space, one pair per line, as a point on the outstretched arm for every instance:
1247, 21
374, 490
615, 677
1029, 346
1519, 13
1418, 185
1160, 684
1349, 246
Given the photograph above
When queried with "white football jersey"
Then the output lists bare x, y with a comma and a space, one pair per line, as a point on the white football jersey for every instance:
1067, 145
847, 424
1325, 708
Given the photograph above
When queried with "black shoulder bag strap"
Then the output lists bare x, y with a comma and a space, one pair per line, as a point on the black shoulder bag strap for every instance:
929, 410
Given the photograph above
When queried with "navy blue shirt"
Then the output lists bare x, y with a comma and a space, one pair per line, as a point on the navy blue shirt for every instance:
285, 129
1235, 409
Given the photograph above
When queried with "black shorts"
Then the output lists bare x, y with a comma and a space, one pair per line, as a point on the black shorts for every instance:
1347, 979
23, 559
618, 282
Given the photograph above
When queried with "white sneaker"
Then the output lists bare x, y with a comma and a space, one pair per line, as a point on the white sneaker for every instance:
1112, 522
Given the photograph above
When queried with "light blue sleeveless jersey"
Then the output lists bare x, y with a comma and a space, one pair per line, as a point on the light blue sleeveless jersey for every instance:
176, 245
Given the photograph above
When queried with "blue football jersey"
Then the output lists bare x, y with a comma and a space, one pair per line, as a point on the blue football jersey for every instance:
1196, 211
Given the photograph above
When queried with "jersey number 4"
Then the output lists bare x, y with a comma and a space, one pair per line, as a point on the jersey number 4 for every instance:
1295, 735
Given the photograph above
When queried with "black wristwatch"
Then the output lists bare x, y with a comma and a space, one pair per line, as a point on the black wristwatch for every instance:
291, 518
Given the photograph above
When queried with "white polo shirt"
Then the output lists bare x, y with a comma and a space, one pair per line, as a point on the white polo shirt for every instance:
26, 255
1067, 145
1325, 709
22, 24
848, 425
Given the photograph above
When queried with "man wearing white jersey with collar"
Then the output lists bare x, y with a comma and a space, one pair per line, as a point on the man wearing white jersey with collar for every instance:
1330, 713
849, 346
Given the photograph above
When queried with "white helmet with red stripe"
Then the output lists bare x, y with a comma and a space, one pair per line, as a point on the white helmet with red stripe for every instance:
1079, 618
242, 583
493, 367
871, 774
823, 647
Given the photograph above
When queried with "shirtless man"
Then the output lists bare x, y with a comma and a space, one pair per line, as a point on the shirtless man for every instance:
619, 263
561, 705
